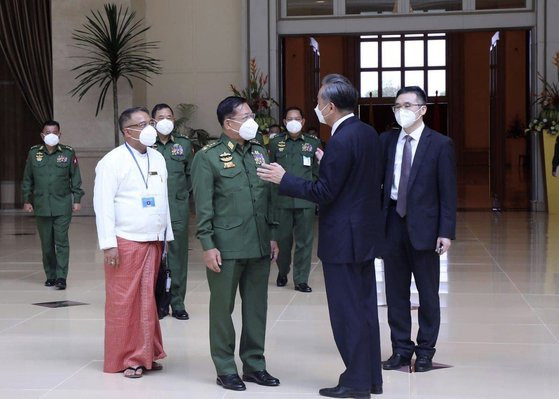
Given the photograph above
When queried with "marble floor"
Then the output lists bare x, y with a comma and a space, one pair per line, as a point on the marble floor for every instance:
500, 323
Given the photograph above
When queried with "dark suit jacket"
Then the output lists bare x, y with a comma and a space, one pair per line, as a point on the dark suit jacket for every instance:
431, 200
351, 224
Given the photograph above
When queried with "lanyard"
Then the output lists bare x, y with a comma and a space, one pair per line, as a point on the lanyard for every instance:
144, 178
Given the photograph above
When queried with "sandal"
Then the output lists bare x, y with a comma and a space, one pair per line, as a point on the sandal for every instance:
134, 372
156, 366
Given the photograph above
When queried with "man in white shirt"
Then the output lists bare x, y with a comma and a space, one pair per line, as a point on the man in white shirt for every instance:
132, 216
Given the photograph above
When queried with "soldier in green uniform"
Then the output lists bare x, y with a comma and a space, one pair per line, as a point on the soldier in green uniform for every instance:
235, 227
177, 151
295, 152
52, 188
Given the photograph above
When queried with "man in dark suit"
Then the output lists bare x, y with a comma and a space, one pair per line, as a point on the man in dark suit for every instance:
419, 201
351, 227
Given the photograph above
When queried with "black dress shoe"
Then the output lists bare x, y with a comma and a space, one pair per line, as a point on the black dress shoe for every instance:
261, 377
50, 282
376, 389
60, 284
231, 381
423, 363
395, 362
303, 287
344, 392
281, 281
181, 314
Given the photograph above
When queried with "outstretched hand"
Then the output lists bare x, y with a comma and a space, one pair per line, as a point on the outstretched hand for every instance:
271, 172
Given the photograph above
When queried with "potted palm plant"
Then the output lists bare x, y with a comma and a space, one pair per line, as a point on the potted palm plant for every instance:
114, 49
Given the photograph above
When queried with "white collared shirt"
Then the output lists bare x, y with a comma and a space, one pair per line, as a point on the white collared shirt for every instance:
120, 195
339, 122
415, 135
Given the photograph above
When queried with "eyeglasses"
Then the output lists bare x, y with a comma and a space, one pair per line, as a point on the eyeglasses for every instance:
244, 118
405, 106
141, 125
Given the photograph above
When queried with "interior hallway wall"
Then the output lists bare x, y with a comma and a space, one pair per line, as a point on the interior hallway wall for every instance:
200, 49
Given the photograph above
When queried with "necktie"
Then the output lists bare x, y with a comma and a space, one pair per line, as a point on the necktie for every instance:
404, 177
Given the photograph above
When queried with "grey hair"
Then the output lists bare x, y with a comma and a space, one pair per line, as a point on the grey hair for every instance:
338, 90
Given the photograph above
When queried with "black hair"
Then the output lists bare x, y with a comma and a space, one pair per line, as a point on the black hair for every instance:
293, 109
159, 107
51, 123
226, 107
338, 90
421, 96
127, 115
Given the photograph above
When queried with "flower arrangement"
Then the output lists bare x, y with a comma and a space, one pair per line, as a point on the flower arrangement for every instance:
257, 96
548, 100
538, 125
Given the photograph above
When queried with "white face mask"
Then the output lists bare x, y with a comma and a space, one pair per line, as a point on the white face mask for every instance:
294, 126
51, 139
147, 136
406, 117
165, 126
248, 129
319, 114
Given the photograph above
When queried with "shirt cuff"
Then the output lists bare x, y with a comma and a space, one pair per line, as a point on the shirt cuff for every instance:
108, 243
207, 243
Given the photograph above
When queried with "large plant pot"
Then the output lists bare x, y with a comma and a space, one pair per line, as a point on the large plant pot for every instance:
551, 182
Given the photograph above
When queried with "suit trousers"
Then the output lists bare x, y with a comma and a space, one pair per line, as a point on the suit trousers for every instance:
251, 277
401, 261
295, 224
352, 303
53, 232
177, 258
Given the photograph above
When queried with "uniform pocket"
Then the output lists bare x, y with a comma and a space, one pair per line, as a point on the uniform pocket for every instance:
227, 222
230, 173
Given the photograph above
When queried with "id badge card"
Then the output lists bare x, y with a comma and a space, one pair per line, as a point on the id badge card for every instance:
148, 202
307, 161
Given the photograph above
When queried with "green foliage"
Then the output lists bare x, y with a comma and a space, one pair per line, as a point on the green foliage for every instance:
115, 49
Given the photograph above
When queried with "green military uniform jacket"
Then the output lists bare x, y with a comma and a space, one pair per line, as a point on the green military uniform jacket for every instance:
296, 157
52, 182
178, 157
233, 205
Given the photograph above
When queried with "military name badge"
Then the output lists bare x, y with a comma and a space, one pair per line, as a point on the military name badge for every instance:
177, 150
281, 146
227, 160
62, 159
307, 147
39, 156
258, 157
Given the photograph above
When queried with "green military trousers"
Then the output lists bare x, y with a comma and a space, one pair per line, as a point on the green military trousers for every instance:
177, 258
53, 232
251, 276
295, 224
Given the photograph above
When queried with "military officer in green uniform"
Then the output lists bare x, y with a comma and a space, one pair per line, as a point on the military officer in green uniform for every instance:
294, 151
235, 227
52, 189
177, 151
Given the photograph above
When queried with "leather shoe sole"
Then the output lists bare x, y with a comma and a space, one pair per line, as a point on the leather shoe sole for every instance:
232, 382
281, 281
343, 392
395, 362
422, 364
303, 287
181, 315
264, 379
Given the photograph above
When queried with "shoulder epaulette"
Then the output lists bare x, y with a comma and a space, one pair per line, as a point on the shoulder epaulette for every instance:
67, 147
211, 145
254, 141
180, 136
312, 136
36, 146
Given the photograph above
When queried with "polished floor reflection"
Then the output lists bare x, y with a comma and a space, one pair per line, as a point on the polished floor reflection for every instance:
500, 323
